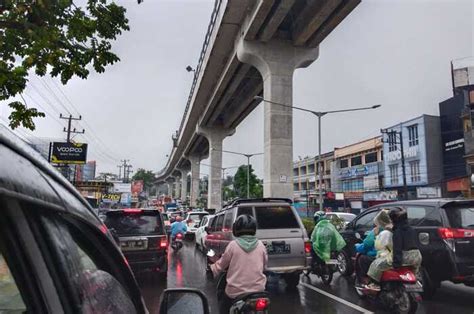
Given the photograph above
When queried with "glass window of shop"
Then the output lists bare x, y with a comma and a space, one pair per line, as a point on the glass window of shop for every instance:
393, 174
413, 135
356, 161
344, 163
311, 168
392, 142
353, 185
371, 157
415, 171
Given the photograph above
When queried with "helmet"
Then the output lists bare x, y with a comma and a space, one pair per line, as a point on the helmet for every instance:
179, 218
244, 225
398, 215
318, 216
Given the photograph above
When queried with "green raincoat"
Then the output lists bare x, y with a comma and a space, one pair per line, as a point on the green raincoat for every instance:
326, 239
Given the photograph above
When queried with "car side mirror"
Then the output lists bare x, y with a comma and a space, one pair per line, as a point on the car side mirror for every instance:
183, 300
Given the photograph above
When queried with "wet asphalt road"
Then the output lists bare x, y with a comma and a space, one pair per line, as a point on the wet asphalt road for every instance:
187, 269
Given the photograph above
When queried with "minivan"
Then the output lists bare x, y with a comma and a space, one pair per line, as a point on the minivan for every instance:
279, 228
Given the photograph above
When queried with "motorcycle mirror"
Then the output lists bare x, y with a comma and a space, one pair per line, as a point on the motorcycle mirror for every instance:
182, 300
211, 253
357, 235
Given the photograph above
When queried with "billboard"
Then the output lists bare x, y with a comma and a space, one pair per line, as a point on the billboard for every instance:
122, 187
137, 186
68, 153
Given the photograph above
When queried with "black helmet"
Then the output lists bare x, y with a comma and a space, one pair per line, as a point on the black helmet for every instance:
398, 215
244, 225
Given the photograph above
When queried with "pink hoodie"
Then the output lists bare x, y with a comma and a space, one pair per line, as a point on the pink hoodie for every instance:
245, 270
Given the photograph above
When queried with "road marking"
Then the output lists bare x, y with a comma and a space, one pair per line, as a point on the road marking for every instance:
345, 302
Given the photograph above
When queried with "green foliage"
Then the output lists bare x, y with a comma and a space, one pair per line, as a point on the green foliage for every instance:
54, 36
308, 224
147, 176
240, 183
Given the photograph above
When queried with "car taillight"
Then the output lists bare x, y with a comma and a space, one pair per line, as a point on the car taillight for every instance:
307, 248
261, 304
451, 233
163, 243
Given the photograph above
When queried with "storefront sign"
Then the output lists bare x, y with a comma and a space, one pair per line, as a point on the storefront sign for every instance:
359, 171
381, 196
111, 197
452, 145
397, 155
428, 192
122, 188
339, 196
353, 195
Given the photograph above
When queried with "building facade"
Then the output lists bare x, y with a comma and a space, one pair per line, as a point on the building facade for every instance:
422, 150
357, 169
306, 177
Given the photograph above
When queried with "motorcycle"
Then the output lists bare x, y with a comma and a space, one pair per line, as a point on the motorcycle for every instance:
324, 270
400, 290
249, 303
177, 242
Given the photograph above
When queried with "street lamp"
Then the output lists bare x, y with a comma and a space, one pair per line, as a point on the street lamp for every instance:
248, 164
318, 114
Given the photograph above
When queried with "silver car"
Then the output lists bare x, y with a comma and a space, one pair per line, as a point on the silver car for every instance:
278, 226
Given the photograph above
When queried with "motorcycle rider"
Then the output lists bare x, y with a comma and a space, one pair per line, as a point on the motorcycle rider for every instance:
179, 226
325, 239
245, 259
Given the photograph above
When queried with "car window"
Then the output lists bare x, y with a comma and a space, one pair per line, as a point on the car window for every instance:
461, 217
196, 218
366, 222
219, 223
229, 219
212, 224
11, 300
245, 211
276, 217
134, 223
203, 222
425, 216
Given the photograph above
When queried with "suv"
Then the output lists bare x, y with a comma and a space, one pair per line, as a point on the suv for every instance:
142, 238
193, 219
445, 229
278, 226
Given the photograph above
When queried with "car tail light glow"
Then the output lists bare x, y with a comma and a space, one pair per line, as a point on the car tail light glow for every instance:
163, 243
261, 304
307, 248
132, 210
451, 233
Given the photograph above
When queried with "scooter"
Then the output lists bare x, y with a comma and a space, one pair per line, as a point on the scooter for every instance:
324, 270
400, 290
249, 303
177, 242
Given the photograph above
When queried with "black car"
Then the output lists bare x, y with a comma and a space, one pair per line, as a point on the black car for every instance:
142, 238
445, 229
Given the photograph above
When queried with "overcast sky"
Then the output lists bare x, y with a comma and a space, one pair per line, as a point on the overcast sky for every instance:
394, 53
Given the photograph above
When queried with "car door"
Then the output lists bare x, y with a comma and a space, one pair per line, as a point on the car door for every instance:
227, 229
210, 238
200, 233
218, 234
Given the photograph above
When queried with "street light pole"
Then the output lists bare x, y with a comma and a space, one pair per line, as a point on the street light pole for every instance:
318, 114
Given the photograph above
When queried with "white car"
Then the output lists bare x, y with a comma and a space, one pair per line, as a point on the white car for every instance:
201, 233
347, 217
193, 219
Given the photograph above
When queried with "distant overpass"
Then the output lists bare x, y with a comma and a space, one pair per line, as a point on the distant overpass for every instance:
252, 47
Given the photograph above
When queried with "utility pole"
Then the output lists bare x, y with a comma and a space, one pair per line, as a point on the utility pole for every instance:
70, 131
127, 178
120, 171
396, 137
124, 167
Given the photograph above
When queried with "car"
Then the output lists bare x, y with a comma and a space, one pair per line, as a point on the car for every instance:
278, 226
142, 238
201, 232
193, 219
445, 229
167, 222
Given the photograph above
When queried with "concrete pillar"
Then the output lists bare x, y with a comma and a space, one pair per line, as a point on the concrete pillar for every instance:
170, 189
184, 184
195, 169
276, 61
215, 137
177, 188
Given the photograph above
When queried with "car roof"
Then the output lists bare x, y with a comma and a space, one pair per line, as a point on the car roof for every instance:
441, 202
40, 183
199, 213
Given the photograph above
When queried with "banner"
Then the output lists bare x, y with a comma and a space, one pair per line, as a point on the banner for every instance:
68, 153
122, 187
137, 187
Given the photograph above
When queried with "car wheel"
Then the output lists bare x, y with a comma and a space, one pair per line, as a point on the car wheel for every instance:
292, 280
429, 285
344, 263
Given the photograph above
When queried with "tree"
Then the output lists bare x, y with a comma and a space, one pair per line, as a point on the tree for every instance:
54, 36
147, 176
240, 183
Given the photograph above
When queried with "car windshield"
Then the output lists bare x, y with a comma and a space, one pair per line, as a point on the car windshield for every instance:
196, 218
461, 217
129, 224
276, 217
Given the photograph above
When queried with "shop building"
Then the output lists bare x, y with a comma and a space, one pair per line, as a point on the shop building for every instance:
306, 177
357, 169
422, 150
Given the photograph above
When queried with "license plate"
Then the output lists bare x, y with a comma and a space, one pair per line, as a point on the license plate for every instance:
331, 262
278, 249
417, 287
134, 245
